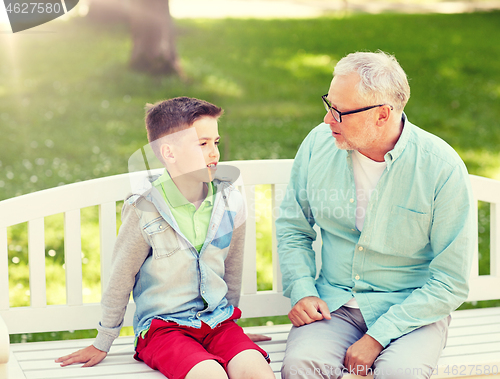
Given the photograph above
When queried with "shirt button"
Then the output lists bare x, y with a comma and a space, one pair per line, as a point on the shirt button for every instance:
360, 248
351, 200
161, 226
203, 292
199, 314
356, 277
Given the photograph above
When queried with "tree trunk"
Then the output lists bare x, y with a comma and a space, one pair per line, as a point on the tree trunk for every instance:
153, 38
108, 11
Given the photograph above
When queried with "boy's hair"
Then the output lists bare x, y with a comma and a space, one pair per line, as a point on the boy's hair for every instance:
170, 116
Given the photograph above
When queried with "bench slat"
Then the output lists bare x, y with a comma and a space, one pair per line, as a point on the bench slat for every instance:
478, 348
107, 235
36, 256
73, 257
78, 372
61, 199
49, 363
249, 280
474, 272
13, 369
48, 319
268, 171
475, 313
484, 287
49, 352
479, 331
495, 239
4, 269
278, 194
485, 189
264, 304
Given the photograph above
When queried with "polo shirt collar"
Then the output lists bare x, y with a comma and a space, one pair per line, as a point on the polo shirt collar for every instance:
172, 194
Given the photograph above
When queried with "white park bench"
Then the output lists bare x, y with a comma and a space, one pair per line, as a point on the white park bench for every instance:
473, 348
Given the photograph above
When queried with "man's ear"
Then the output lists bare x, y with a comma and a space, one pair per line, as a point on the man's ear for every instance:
383, 114
167, 153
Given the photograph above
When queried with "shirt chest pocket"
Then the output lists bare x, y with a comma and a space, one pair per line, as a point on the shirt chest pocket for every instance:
162, 238
407, 232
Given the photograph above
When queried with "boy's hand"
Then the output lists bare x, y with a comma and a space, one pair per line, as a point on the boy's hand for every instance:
258, 337
90, 356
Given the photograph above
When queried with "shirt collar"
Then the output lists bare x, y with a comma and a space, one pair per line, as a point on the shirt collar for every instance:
172, 194
391, 156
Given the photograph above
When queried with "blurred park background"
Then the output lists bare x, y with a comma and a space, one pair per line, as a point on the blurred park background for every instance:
72, 102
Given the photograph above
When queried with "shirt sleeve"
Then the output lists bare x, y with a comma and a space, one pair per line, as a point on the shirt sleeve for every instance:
452, 239
295, 233
130, 252
234, 260
234, 266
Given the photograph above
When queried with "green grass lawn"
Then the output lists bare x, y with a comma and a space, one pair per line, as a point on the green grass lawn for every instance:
70, 108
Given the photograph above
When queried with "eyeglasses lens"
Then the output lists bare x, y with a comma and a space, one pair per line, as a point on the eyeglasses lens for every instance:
329, 108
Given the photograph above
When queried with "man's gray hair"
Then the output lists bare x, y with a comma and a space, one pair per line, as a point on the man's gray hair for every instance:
383, 81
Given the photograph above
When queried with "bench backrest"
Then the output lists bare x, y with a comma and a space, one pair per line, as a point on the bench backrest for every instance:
105, 192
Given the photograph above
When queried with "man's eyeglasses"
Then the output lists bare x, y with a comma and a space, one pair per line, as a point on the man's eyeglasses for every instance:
337, 115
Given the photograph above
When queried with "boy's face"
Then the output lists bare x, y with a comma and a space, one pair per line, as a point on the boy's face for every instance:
195, 152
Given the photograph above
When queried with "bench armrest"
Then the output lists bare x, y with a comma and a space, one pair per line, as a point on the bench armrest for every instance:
4, 342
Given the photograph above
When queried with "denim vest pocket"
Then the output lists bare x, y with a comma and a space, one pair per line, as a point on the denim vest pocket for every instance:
407, 232
162, 238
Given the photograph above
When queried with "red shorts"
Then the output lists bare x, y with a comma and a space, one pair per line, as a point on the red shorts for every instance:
174, 349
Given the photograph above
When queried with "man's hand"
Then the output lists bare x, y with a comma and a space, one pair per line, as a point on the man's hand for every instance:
90, 356
361, 355
258, 337
308, 310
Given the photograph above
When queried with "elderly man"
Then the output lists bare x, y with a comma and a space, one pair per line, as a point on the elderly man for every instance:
394, 207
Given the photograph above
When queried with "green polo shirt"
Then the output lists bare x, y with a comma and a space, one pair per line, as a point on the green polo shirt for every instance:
192, 222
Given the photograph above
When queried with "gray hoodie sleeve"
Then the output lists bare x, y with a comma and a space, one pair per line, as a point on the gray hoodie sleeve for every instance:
130, 252
234, 260
234, 266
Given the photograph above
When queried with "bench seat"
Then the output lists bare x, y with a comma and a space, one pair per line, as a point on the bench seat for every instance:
473, 344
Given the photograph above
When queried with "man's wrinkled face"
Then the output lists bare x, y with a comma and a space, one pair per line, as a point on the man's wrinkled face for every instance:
356, 131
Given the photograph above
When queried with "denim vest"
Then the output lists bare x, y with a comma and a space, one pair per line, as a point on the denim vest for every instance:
175, 282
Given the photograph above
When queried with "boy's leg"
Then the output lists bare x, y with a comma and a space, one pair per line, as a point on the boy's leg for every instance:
249, 364
244, 358
209, 369
414, 355
317, 350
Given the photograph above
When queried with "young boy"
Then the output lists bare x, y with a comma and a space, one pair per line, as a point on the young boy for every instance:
179, 250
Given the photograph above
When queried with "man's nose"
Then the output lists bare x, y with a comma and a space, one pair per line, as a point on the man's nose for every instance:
329, 119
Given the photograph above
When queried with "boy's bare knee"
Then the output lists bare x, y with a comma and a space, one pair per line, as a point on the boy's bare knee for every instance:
208, 369
249, 364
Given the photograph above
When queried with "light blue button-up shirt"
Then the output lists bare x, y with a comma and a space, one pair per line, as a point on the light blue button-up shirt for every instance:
409, 267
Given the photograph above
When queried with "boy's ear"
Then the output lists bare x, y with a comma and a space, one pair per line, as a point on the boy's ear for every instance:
167, 153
